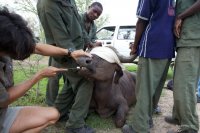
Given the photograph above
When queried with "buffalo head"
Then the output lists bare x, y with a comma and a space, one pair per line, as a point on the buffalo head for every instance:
103, 66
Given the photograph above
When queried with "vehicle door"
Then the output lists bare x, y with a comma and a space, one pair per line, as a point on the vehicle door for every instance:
106, 35
125, 36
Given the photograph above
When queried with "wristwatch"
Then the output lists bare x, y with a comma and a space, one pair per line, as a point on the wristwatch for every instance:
70, 50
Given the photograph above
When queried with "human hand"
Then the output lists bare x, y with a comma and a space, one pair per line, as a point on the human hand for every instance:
133, 49
97, 44
93, 45
177, 27
49, 72
77, 53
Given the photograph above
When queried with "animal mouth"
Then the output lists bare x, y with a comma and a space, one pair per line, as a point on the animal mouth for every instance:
83, 68
86, 72
88, 69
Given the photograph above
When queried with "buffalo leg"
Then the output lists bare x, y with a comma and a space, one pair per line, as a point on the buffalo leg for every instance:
121, 114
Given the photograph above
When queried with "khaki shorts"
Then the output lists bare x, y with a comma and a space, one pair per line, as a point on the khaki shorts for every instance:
10, 116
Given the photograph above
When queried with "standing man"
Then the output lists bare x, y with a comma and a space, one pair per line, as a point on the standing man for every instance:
93, 13
155, 48
61, 23
187, 65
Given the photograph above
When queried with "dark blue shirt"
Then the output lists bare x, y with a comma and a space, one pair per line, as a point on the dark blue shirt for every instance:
158, 40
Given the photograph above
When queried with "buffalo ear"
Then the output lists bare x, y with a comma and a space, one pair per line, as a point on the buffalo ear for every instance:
118, 74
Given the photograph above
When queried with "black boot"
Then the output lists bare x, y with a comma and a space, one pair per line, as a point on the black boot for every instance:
151, 123
171, 120
127, 129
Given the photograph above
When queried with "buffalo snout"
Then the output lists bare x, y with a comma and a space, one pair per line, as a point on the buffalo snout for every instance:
85, 62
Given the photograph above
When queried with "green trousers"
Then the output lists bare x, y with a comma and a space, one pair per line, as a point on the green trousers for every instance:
74, 99
186, 75
151, 76
53, 84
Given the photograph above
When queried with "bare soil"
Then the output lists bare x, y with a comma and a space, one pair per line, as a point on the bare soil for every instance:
160, 126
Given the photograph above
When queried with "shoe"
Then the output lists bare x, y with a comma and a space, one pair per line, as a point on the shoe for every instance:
151, 123
84, 129
127, 129
157, 110
185, 131
171, 120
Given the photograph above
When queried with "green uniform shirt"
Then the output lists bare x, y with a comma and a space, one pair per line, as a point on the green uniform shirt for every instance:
190, 33
6, 81
61, 23
92, 29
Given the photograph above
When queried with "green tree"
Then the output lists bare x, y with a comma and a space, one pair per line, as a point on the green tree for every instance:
29, 6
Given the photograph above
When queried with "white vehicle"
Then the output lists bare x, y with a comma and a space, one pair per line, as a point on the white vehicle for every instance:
118, 36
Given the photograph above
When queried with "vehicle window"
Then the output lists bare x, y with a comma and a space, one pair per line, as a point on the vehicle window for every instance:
126, 33
106, 33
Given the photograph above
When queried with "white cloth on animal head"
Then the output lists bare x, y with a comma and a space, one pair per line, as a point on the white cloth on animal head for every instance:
107, 54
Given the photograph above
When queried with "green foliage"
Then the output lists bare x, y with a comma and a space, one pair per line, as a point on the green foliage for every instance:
97, 122
170, 73
83, 5
31, 97
131, 68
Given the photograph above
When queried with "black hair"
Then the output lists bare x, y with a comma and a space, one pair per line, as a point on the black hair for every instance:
16, 39
96, 4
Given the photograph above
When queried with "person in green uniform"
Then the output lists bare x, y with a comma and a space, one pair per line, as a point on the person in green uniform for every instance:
187, 66
63, 28
17, 42
93, 13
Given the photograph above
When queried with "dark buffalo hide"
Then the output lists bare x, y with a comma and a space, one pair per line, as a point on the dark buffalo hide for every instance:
114, 88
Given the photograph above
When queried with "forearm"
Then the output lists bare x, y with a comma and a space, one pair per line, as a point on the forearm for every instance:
190, 11
19, 90
140, 28
49, 50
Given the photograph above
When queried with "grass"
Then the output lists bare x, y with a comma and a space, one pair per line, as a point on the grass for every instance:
32, 97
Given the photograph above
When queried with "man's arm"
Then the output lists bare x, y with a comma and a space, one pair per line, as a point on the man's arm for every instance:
144, 12
140, 28
18, 91
49, 50
190, 11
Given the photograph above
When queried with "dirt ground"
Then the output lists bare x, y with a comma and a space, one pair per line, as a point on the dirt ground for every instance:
160, 126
